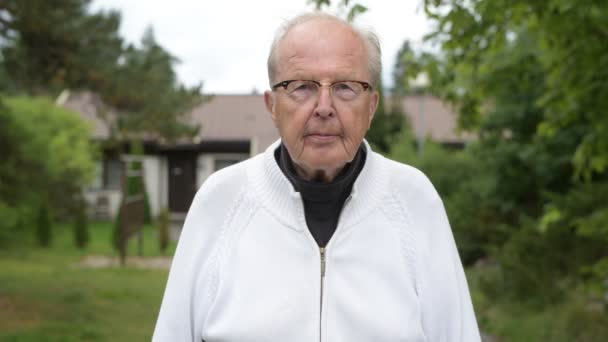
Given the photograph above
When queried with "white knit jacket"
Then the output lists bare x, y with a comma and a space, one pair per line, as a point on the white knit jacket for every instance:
247, 268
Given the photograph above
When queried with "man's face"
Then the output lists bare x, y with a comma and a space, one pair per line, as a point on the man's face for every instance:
323, 133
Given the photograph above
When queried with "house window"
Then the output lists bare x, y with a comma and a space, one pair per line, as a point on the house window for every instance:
97, 182
112, 174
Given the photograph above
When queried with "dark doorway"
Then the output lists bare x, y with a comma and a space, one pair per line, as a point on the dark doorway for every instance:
182, 181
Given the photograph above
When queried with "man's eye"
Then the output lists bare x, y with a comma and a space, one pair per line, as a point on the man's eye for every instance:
345, 91
343, 87
304, 87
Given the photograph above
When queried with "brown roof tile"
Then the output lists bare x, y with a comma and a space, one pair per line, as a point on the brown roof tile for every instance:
230, 117
92, 109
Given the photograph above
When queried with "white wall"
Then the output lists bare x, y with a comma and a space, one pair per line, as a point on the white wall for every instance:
204, 168
163, 182
114, 197
152, 180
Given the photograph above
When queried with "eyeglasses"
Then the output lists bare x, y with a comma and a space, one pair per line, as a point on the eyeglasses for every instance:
304, 90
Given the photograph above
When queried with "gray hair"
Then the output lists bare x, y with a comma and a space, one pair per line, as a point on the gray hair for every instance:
370, 39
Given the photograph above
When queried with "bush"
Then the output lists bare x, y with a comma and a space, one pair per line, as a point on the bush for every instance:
465, 189
44, 227
163, 229
81, 229
46, 156
116, 231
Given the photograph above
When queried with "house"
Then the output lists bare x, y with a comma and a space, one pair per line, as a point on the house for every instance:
432, 118
231, 128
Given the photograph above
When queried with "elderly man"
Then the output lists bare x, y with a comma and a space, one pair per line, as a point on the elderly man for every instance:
319, 238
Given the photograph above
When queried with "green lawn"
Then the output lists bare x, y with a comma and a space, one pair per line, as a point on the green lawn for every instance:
45, 296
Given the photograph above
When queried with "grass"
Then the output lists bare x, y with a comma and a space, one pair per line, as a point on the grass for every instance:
45, 296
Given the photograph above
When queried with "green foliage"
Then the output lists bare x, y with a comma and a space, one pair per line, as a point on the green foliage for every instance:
116, 231
349, 11
47, 47
164, 224
584, 210
463, 184
386, 124
44, 226
9, 227
155, 107
526, 75
571, 319
81, 228
569, 40
46, 159
136, 185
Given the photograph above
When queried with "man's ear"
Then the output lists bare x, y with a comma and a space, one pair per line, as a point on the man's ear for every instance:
373, 105
269, 101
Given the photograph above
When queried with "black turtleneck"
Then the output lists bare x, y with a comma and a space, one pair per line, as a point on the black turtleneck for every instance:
323, 202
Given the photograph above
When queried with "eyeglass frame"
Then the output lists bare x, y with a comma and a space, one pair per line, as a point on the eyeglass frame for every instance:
285, 84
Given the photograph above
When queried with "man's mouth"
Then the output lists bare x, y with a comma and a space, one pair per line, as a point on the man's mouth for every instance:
322, 137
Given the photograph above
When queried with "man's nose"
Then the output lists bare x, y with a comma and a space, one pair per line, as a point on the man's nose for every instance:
324, 106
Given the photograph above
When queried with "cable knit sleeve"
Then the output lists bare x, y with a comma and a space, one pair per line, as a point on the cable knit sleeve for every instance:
446, 308
184, 307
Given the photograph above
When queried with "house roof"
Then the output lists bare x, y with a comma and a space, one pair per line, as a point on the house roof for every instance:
92, 109
235, 117
430, 117
245, 118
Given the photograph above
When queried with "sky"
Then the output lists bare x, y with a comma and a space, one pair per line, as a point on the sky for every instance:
224, 44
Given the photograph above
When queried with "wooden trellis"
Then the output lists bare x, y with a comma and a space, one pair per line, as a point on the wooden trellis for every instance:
132, 207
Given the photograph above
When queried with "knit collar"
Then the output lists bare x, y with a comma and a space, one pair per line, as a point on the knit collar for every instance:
274, 191
318, 191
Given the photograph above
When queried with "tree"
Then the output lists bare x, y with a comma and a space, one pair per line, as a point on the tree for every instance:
570, 37
387, 125
47, 158
157, 107
48, 46
81, 229
345, 8
44, 226
525, 75
164, 225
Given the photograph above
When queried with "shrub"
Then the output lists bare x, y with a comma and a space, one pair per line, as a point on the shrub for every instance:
81, 230
116, 231
44, 226
163, 229
46, 158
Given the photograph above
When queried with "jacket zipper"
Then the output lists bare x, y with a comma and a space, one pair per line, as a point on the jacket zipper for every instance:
322, 253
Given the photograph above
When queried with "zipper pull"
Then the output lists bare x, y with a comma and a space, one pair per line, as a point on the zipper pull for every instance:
322, 251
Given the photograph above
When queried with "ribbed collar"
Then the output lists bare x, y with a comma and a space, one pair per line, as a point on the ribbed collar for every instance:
318, 191
274, 191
